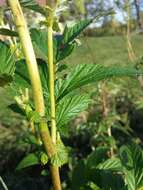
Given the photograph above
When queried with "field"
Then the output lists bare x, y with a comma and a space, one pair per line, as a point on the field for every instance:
106, 50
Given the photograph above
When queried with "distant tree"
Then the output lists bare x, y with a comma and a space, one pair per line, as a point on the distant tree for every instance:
138, 13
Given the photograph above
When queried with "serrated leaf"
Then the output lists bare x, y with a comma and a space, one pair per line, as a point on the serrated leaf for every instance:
15, 108
62, 67
70, 33
66, 42
33, 5
21, 77
87, 172
7, 64
96, 157
64, 131
106, 179
30, 160
64, 51
79, 178
111, 180
44, 158
123, 129
112, 164
61, 156
7, 32
85, 74
40, 41
132, 160
61, 50
31, 139
69, 107
34, 116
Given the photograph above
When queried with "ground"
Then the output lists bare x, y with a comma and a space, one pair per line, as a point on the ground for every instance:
105, 50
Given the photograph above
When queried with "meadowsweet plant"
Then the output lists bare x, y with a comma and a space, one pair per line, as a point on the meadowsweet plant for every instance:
47, 97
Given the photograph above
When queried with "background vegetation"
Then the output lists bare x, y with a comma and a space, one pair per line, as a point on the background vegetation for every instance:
114, 118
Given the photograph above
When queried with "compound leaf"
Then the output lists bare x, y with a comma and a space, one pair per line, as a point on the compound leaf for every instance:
39, 38
96, 157
61, 156
66, 43
112, 164
70, 33
85, 74
64, 51
21, 77
79, 177
7, 64
132, 161
33, 5
7, 32
69, 107
30, 160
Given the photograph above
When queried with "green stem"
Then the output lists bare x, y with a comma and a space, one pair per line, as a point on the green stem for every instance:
33, 72
36, 84
51, 82
50, 19
54, 169
56, 178
29, 54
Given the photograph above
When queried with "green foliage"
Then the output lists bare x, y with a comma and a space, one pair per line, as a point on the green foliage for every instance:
7, 66
111, 180
39, 39
92, 186
44, 158
61, 156
84, 74
63, 44
112, 164
7, 32
34, 116
69, 107
79, 175
33, 5
96, 157
64, 50
97, 171
125, 172
70, 33
32, 140
15, 108
43, 70
132, 162
30, 160
21, 77
66, 42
